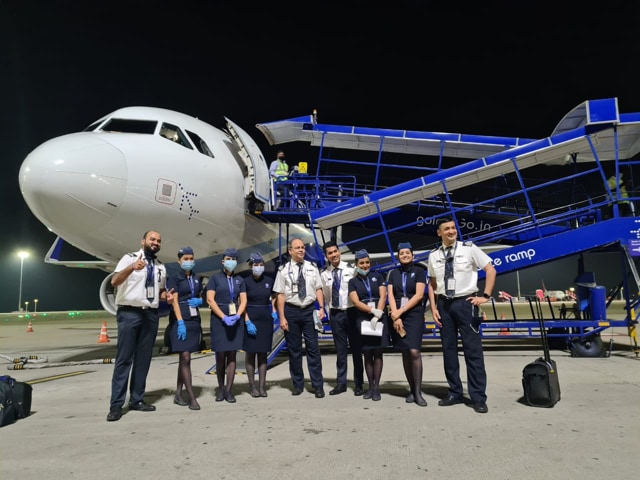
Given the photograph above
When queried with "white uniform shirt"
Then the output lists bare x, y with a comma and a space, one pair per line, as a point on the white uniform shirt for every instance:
345, 274
133, 291
287, 276
468, 258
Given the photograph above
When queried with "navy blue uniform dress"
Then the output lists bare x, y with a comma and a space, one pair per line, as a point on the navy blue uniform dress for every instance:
185, 288
223, 337
368, 290
404, 280
259, 312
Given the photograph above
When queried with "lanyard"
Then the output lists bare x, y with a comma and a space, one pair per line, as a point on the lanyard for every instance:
404, 284
190, 280
367, 285
230, 282
150, 265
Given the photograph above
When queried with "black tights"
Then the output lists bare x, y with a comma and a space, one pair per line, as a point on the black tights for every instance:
250, 364
412, 363
226, 364
185, 378
373, 366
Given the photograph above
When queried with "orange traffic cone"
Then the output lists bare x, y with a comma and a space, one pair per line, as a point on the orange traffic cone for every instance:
504, 330
30, 328
103, 338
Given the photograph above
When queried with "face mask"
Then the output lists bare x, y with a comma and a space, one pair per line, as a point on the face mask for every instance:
258, 270
362, 272
230, 265
188, 265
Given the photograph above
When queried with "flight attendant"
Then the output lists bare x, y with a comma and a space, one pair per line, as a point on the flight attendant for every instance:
227, 298
406, 286
258, 339
186, 329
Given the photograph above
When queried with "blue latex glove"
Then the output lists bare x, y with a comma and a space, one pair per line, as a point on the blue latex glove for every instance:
234, 319
275, 316
227, 320
182, 330
251, 328
194, 302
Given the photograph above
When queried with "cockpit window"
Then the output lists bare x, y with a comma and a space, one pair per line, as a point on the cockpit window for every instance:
200, 144
173, 133
126, 125
93, 126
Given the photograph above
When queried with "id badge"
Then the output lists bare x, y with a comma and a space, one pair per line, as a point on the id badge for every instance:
404, 301
451, 285
232, 309
193, 311
151, 292
294, 288
371, 304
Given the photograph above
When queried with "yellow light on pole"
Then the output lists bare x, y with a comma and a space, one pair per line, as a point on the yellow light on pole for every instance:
26, 306
22, 254
35, 307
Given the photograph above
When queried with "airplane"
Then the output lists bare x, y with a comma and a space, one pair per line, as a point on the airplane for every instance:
141, 168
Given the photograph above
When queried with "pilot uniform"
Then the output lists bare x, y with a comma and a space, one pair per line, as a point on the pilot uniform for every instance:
458, 315
137, 318
299, 314
185, 287
343, 328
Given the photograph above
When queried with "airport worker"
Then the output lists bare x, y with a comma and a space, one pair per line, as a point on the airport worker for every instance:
227, 298
279, 171
619, 188
259, 319
186, 325
406, 288
368, 294
335, 289
453, 278
140, 279
298, 286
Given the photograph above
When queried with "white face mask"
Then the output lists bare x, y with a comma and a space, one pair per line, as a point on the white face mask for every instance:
230, 265
257, 270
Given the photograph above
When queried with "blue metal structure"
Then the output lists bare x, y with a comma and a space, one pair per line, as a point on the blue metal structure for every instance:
525, 216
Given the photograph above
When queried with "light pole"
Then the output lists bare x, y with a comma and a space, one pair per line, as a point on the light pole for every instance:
26, 306
22, 254
35, 307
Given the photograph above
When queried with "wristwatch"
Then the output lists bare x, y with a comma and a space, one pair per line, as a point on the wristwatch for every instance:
486, 295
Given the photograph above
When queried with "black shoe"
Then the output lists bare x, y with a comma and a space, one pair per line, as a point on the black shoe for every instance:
358, 391
263, 392
420, 401
229, 397
338, 390
142, 407
368, 394
255, 393
297, 391
178, 400
450, 400
480, 407
220, 394
410, 398
320, 392
115, 414
375, 396
195, 406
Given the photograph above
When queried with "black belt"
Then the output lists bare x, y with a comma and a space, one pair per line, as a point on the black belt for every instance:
447, 299
131, 307
338, 309
299, 307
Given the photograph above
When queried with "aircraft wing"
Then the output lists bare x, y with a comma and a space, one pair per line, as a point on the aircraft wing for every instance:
55, 252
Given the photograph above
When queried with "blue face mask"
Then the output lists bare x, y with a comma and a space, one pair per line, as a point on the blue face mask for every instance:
362, 272
188, 264
230, 265
257, 270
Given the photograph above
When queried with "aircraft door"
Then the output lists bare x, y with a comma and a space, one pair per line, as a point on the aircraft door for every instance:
257, 182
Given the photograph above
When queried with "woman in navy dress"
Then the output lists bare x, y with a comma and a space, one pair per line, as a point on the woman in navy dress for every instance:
406, 286
186, 328
227, 298
258, 339
368, 293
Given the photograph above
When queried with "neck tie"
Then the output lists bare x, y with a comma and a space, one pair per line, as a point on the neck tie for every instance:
450, 290
335, 289
302, 285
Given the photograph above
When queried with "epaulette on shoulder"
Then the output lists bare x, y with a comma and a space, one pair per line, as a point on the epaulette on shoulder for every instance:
434, 250
467, 243
160, 262
133, 254
281, 267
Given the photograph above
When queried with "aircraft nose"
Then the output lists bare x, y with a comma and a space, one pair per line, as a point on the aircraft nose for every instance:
75, 182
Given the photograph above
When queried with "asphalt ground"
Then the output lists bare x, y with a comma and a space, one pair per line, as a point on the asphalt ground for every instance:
591, 433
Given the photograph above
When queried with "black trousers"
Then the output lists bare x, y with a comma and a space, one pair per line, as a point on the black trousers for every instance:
456, 316
344, 336
301, 325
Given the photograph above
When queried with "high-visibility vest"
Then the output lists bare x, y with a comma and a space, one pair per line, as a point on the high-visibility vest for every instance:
281, 170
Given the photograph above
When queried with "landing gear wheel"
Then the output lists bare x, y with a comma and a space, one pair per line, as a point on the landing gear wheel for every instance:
591, 346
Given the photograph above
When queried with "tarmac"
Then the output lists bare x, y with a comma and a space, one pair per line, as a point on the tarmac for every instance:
591, 433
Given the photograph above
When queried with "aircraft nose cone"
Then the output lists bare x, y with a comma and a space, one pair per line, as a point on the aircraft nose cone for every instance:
75, 182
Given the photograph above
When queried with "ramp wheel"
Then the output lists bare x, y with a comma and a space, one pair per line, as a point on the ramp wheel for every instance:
591, 346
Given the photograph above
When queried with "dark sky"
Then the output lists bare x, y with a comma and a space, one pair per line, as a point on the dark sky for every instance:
497, 69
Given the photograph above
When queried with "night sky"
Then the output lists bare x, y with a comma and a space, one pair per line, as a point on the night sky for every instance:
497, 69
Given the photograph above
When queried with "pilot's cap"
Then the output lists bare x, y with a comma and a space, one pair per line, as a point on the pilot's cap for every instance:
185, 251
255, 258
230, 252
361, 254
403, 245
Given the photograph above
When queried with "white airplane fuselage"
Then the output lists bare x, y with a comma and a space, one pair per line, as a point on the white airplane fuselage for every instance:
100, 190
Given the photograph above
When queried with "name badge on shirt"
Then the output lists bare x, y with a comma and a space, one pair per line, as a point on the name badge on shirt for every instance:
151, 292
371, 304
232, 309
294, 288
193, 311
451, 284
404, 301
